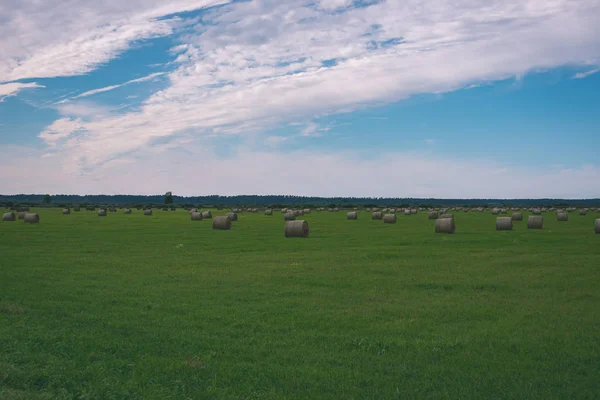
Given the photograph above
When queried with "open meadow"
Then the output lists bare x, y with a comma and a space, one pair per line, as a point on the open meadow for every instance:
161, 307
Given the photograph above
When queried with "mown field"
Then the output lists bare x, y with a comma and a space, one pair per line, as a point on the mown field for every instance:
160, 307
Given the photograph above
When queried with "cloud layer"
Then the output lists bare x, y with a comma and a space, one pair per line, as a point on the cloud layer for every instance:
254, 65
247, 67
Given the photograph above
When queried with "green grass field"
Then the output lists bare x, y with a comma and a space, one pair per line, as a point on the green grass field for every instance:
160, 307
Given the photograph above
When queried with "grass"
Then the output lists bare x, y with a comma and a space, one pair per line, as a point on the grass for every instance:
160, 307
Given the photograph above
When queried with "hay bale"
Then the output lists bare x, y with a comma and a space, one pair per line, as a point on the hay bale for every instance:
112, 209
562, 216
127, 211
503, 211
66, 211
296, 229
284, 210
414, 211
232, 216
255, 210
352, 215
31, 218
376, 215
298, 213
389, 219
196, 216
432, 215
407, 212
444, 225
536, 211
222, 223
306, 211
22, 215
147, 212
207, 215
194, 210
495, 211
102, 212
290, 216
535, 222
8, 217
517, 216
268, 212
446, 216
597, 226
504, 223
583, 213
336, 209
375, 209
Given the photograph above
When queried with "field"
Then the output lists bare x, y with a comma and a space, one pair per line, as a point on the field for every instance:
160, 307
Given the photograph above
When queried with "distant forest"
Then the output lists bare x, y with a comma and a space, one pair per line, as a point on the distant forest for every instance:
60, 200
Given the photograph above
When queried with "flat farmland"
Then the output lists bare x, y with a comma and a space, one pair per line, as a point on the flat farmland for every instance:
161, 307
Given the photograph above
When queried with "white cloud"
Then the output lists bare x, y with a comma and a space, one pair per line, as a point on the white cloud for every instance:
259, 64
11, 89
72, 37
112, 87
581, 75
301, 172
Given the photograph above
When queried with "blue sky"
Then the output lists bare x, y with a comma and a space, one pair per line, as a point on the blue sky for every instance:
325, 97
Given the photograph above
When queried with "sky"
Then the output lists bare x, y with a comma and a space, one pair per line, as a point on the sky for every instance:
382, 98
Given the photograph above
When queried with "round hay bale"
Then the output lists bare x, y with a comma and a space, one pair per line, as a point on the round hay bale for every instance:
66, 211
221, 222
503, 211
535, 222
375, 209
298, 213
102, 212
127, 211
207, 215
284, 210
352, 215
444, 225
536, 211
562, 216
196, 216
289, 216
194, 210
147, 212
8, 217
268, 212
112, 209
22, 215
583, 212
447, 216
504, 223
495, 211
255, 210
414, 211
232, 216
432, 215
407, 212
336, 209
389, 219
31, 218
376, 215
306, 211
597, 226
296, 229
517, 216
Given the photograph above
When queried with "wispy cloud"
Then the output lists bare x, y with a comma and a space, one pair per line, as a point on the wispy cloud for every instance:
51, 42
113, 87
11, 89
581, 75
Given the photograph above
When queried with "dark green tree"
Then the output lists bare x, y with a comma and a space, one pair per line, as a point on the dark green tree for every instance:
47, 199
168, 198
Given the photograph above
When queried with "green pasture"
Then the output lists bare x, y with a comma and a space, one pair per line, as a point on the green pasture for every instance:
160, 307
